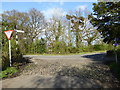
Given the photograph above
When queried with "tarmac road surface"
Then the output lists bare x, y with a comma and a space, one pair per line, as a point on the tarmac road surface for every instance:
65, 71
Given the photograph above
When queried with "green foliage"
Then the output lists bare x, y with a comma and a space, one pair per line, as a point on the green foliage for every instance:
77, 21
8, 72
69, 48
5, 61
85, 49
107, 19
40, 46
96, 47
99, 47
115, 67
118, 53
59, 47
37, 47
74, 50
111, 52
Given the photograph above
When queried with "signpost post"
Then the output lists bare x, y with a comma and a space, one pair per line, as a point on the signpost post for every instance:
8, 34
10, 52
17, 37
115, 45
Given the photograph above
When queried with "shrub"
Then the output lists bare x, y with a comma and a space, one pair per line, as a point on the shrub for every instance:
86, 48
16, 54
115, 67
98, 47
118, 53
8, 72
5, 61
74, 50
110, 53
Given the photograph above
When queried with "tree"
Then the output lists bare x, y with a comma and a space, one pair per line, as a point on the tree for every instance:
55, 33
36, 24
106, 17
89, 33
32, 22
77, 22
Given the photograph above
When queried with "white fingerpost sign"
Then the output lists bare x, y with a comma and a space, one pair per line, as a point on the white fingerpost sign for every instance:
19, 31
8, 34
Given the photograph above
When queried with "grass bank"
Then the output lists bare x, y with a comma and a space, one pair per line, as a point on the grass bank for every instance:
69, 53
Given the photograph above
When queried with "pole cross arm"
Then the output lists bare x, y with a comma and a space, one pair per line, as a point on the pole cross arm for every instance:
19, 31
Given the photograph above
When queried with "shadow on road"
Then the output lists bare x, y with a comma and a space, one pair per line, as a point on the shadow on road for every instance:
100, 57
92, 76
74, 77
95, 57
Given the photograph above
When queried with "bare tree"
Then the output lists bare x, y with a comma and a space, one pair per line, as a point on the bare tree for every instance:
36, 23
89, 34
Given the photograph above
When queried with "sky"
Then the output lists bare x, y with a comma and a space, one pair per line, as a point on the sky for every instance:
59, 8
47, 8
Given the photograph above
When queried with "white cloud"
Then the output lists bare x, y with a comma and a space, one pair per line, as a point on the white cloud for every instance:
82, 7
61, 2
56, 12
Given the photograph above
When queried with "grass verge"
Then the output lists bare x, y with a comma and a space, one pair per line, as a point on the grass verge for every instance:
115, 68
15, 70
69, 53
8, 72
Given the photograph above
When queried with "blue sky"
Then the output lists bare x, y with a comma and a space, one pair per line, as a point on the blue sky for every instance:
47, 7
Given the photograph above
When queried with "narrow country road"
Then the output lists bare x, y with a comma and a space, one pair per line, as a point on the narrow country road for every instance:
64, 71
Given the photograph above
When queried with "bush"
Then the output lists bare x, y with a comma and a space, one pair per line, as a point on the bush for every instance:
110, 53
98, 47
16, 54
118, 53
5, 61
86, 48
115, 67
74, 50
8, 72
83, 49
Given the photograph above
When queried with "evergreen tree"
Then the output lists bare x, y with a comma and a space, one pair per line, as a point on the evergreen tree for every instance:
106, 17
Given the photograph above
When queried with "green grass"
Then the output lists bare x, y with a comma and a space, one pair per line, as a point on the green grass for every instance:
8, 72
115, 67
70, 53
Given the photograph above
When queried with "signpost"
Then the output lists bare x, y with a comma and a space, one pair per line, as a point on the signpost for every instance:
8, 34
115, 45
19, 31
17, 37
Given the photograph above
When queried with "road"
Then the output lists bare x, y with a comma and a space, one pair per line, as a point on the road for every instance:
64, 71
